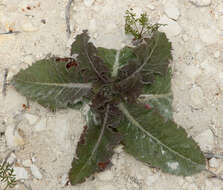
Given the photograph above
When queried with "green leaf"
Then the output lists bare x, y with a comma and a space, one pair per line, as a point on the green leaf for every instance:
151, 139
108, 56
154, 56
116, 59
159, 96
94, 150
51, 84
91, 66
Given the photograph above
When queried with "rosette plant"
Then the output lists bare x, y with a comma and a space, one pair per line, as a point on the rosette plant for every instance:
129, 96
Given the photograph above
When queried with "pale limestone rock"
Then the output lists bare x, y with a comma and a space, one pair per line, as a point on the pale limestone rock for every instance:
192, 187
172, 28
201, 3
208, 35
197, 97
208, 68
107, 187
217, 54
27, 163
28, 27
214, 163
64, 179
106, 175
220, 8
220, 81
192, 72
150, 7
20, 173
13, 139
41, 125
172, 10
28, 59
31, 118
185, 37
88, 3
220, 22
208, 184
189, 179
35, 172
12, 158
92, 26
33, 159
151, 179
4, 38
197, 47
119, 149
206, 140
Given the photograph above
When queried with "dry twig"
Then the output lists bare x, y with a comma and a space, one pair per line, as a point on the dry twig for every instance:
210, 155
10, 32
67, 17
5, 82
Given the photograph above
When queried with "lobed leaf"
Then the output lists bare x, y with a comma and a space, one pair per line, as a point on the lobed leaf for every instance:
158, 95
91, 66
94, 150
151, 139
116, 59
154, 56
51, 83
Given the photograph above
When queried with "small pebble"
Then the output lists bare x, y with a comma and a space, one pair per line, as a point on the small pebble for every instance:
220, 22
12, 158
33, 159
201, 3
28, 27
192, 187
13, 139
197, 97
106, 175
31, 118
220, 8
119, 149
220, 81
217, 54
172, 10
214, 163
106, 187
20, 173
206, 140
172, 28
27, 163
41, 125
35, 172
151, 179
192, 72
64, 180
88, 3
150, 7
208, 35
185, 37
28, 59
208, 68
92, 25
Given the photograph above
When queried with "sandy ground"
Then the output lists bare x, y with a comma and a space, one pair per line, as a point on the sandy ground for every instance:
44, 143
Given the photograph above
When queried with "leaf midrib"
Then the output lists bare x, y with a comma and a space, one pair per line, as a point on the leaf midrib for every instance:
134, 122
67, 85
98, 141
143, 65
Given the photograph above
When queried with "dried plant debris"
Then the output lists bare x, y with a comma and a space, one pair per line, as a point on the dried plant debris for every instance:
7, 176
129, 93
